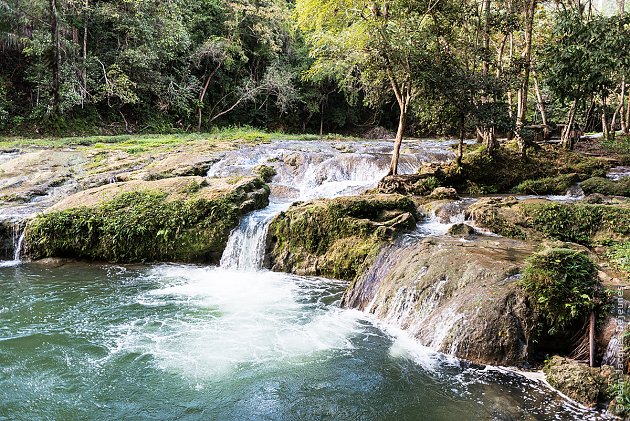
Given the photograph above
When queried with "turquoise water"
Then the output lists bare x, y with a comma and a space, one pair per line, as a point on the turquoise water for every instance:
187, 342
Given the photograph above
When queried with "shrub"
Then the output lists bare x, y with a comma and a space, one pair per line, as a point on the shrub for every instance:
563, 286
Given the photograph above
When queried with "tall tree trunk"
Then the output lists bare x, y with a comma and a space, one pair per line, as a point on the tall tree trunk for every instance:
591, 340
567, 133
487, 132
56, 56
462, 135
628, 116
530, 10
510, 100
321, 120
605, 132
541, 106
202, 95
619, 109
84, 56
393, 168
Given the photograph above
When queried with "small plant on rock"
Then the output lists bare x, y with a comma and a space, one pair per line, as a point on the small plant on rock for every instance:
564, 287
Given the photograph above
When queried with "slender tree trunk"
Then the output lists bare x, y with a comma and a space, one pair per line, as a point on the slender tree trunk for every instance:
605, 132
541, 107
591, 340
321, 121
487, 132
462, 134
510, 100
567, 135
619, 109
628, 116
393, 168
84, 57
500, 55
589, 115
56, 56
202, 95
522, 92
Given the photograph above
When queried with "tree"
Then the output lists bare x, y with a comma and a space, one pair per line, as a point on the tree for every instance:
582, 61
377, 49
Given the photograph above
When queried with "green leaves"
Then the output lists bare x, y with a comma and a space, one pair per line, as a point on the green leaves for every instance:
564, 287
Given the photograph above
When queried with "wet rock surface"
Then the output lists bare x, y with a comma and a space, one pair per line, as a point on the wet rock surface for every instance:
586, 385
461, 298
186, 219
336, 238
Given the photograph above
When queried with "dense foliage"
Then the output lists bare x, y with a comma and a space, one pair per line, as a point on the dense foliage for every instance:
564, 287
451, 66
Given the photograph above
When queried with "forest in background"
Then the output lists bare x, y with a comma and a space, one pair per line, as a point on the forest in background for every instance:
421, 67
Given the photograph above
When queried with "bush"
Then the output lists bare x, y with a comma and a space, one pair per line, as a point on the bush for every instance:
563, 286
620, 255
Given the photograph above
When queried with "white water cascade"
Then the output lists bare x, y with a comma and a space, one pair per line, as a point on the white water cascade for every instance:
245, 248
305, 171
19, 232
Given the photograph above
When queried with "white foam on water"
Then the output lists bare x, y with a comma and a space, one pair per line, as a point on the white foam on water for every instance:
221, 320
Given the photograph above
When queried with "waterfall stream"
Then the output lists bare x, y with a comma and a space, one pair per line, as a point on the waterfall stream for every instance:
236, 342
19, 232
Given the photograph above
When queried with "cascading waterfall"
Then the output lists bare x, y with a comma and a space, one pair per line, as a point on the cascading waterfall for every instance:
238, 342
245, 248
19, 233
304, 172
17, 240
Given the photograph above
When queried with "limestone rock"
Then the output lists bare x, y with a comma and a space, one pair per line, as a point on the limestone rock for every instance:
459, 298
441, 193
336, 238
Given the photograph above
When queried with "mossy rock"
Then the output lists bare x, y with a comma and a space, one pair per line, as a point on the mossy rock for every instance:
547, 169
548, 185
265, 172
459, 298
564, 288
338, 237
191, 222
582, 223
499, 215
586, 385
579, 222
607, 187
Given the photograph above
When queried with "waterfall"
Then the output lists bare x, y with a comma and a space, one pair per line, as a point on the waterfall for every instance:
611, 356
18, 239
245, 248
305, 171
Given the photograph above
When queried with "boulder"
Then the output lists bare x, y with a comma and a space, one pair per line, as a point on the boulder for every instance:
185, 219
441, 193
459, 298
336, 238
586, 385
464, 230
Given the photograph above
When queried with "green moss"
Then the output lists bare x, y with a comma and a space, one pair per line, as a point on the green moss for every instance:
425, 186
481, 174
607, 187
337, 237
265, 172
578, 223
137, 227
619, 255
563, 287
547, 185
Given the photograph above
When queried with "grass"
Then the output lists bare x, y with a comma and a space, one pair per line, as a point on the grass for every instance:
147, 142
